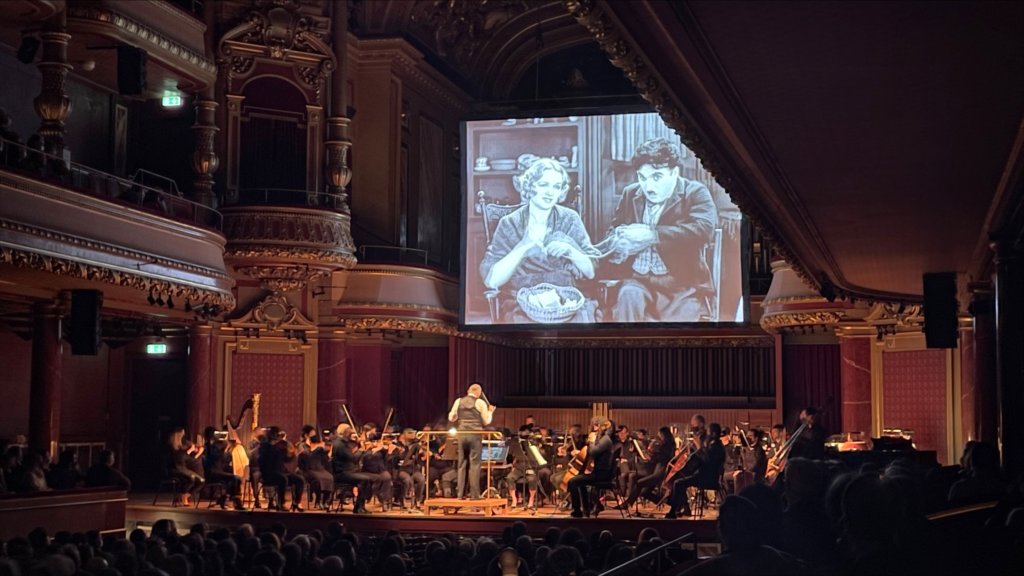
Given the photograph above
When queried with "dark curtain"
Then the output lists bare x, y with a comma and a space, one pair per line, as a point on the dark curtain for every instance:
811, 377
710, 371
421, 394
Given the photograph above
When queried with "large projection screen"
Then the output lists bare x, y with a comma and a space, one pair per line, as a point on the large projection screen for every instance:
596, 220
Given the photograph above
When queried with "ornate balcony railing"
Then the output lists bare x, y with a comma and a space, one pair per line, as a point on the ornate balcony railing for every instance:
288, 197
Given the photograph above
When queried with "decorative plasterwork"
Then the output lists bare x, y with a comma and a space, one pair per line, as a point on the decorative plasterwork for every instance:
276, 30
623, 53
822, 320
274, 313
155, 42
460, 29
61, 266
286, 248
384, 324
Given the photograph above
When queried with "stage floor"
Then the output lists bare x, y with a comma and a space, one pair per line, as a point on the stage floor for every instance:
469, 518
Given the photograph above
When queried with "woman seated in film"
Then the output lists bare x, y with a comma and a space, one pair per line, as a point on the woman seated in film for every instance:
540, 242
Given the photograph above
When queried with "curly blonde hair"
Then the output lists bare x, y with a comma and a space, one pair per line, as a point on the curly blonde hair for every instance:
524, 182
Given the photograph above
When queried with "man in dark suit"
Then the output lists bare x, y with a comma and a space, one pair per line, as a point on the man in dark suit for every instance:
659, 231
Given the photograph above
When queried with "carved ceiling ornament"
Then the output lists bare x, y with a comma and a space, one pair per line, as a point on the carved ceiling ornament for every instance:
623, 53
459, 28
824, 320
277, 30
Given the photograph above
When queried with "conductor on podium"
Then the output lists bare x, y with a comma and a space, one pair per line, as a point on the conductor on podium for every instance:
470, 413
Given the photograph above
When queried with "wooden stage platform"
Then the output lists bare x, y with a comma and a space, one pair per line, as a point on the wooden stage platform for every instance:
469, 518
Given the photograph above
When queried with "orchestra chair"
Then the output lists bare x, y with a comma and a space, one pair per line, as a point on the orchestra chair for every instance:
213, 491
701, 499
341, 491
491, 213
608, 486
172, 483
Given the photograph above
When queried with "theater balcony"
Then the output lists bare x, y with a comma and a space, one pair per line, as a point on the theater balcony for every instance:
285, 238
150, 252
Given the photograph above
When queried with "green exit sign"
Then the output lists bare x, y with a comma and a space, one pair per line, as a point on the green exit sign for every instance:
171, 101
157, 348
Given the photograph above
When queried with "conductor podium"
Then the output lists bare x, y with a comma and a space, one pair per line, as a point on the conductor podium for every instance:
492, 457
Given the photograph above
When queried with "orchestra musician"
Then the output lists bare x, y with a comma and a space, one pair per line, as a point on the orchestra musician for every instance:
274, 453
626, 458
345, 466
314, 464
664, 450
189, 483
523, 468
705, 471
470, 413
811, 443
376, 456
409, 469
302, 446
217, 465
599, 451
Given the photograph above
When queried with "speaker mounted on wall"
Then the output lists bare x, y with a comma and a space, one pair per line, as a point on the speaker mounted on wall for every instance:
131, 70
86, 322
940, 310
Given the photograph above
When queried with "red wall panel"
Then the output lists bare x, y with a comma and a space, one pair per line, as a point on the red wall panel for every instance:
914, 397
16, 358
811, 377
279, 380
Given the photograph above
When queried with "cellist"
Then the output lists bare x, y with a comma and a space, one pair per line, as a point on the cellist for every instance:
599, 451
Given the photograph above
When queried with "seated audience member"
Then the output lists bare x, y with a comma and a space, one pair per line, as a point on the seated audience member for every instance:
65, 475
744, 551
981, 480
806, 531
103, 473
33, 473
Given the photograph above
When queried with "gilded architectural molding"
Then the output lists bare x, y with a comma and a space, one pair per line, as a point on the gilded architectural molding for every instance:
152, 39
624, 54
134, 280
92, 245
277, 30
274, 313
802, 321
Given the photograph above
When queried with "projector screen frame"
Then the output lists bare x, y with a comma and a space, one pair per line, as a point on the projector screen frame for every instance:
468, 202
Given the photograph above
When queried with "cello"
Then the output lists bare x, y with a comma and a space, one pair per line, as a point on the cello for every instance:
777, 463
683, 462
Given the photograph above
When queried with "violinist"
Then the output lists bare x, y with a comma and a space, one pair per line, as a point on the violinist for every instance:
664, 450
599, 451
302, 446
345, 466
409, 469
706, 470
217, 465
376, 454
314, 463
274, 452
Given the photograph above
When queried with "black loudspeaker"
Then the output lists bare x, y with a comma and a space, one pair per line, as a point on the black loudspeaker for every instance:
940, 310
131, 70
85, 321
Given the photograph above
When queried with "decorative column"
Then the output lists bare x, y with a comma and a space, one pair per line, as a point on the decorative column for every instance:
984, 404
44, 393
332, 380
338, 142
234, 130
855, 383
1009, 317
204, 159
53, 105
198, 398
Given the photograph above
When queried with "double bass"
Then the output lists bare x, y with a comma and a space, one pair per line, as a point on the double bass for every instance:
777, 463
